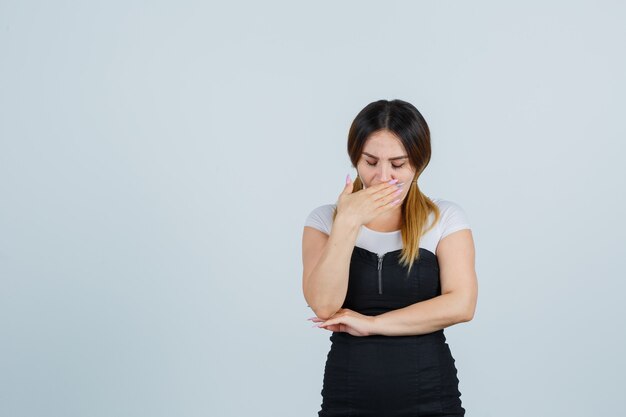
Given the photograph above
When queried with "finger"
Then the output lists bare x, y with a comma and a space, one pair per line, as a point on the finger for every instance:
374, 189
388, 190
398, 194
388, 202
392, 199
334, 328
349, 187
327, 323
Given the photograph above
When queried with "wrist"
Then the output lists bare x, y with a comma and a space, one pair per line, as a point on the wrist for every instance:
376, 327
346, 222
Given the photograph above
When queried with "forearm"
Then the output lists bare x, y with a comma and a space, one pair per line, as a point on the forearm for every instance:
327, 285
423, 317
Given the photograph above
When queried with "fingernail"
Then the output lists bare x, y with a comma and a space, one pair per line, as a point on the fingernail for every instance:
311, 318
393, 181
348, 179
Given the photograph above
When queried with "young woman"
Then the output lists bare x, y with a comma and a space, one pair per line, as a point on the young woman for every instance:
386, 269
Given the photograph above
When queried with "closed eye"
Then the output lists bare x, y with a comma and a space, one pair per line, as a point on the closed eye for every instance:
395, 166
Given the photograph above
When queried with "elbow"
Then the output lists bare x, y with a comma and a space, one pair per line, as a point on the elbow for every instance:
468, 308
322, 309
464, 312
467, 317
324, 312
468, 314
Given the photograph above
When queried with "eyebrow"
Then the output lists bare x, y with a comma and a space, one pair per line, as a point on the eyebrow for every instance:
391, 159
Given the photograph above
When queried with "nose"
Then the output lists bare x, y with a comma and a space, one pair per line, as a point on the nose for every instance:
384, 173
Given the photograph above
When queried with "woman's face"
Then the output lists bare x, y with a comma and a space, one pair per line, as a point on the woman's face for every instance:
383, 159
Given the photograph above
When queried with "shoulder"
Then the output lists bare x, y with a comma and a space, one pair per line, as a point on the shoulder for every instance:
453, 216
321, 218
446, 205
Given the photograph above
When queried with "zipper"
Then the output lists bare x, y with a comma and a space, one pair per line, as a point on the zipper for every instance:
380, 277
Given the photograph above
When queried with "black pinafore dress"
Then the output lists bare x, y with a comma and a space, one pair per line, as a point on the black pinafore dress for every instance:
389, 376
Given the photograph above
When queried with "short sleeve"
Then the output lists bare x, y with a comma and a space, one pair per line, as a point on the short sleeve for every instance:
320, 218
453, 218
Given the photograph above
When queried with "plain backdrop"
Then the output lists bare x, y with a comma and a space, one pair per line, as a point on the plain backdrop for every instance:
158, 160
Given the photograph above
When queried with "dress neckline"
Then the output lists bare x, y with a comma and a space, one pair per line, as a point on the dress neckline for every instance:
424, 253
382, 233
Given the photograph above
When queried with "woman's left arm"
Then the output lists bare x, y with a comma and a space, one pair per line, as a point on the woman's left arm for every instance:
459, 293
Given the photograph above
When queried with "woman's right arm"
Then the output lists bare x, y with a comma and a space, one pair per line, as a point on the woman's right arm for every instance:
326, 265
326, 259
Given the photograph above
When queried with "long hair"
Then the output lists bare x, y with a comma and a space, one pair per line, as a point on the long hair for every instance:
406, 122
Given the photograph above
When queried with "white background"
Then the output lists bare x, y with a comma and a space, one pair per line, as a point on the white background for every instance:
158, 159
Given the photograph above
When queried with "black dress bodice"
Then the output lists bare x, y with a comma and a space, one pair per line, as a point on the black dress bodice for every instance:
380, 283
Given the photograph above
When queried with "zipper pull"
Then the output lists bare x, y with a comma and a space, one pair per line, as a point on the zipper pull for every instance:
380, 278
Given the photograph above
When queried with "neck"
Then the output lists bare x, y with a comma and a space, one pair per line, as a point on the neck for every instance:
387, 222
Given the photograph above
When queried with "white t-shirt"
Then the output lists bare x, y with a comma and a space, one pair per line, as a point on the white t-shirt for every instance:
452, 219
